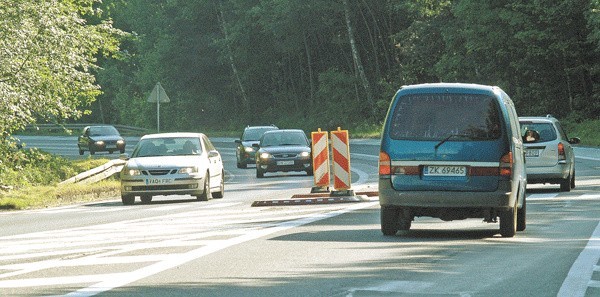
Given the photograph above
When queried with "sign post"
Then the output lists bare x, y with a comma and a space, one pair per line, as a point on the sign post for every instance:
158, 95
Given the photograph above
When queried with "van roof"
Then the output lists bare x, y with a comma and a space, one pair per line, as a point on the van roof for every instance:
447, 87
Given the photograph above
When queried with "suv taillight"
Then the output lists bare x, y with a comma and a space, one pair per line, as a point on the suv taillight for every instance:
561, 151
385, 164
506, 163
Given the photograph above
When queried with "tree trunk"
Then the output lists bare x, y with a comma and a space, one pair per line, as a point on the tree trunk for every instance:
232, 61
356, 57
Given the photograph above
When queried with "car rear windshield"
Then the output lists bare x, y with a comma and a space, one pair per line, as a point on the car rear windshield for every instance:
545, 130
171, 146
441, 116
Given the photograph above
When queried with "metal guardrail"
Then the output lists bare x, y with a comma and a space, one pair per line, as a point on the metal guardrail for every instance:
97, 174
59, 128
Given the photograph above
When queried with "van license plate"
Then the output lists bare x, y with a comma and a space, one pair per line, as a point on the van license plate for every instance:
445, 170
532, 153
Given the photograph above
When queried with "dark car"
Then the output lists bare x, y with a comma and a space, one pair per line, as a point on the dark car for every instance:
102, 138
245, 153
283, 150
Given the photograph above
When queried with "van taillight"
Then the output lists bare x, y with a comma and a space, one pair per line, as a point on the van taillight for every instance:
561, 151
385, 164
506, 163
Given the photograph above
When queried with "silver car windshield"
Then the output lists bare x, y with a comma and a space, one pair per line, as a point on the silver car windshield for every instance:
172, 146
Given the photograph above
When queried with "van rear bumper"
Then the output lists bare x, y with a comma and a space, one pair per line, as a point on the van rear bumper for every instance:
501, 199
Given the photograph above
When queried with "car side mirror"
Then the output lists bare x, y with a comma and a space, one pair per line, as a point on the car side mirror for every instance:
575, 140
238, 141
213, 154
124, 156
256, 145
531, 136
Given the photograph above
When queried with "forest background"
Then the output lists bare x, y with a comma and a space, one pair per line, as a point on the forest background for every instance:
306, 64
226, 64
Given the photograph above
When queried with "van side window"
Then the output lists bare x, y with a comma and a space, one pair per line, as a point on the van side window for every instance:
436, 116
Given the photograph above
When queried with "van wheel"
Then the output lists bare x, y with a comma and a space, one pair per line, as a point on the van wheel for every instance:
508, 222
522, 216
404, 219
389, 220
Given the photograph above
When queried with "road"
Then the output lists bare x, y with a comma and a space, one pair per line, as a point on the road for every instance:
176, 246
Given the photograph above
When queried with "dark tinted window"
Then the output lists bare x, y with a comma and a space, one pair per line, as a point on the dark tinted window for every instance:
103, 130
437, 116
254, 134
284, 138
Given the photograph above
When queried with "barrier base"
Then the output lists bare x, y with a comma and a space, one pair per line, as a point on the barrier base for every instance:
319, 190
342, 193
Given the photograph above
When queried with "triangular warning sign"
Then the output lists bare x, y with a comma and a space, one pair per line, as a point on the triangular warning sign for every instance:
158, 94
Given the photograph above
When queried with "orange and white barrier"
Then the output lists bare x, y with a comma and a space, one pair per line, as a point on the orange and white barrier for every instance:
320, 149
341, 159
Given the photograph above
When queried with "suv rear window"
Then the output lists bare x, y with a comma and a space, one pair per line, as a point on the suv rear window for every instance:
545, 130
437, 116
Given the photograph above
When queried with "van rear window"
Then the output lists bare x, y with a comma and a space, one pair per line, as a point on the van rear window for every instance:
438, 116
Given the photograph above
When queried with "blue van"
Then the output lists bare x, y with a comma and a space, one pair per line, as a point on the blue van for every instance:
452, 151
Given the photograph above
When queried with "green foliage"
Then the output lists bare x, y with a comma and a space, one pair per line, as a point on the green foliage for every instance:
47, 52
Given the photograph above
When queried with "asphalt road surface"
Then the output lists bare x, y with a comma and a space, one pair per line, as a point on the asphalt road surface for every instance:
176, 246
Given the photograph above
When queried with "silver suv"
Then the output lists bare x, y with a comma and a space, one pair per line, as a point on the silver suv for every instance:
549, 156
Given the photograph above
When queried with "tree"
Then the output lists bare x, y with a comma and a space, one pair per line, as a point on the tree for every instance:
48, 51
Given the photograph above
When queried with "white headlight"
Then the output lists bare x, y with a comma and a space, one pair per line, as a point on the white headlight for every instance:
99, 143
188, 170
132, 172
304, 154
265, 156
249, 149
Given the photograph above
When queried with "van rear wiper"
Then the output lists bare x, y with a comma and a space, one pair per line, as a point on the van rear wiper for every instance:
453, 135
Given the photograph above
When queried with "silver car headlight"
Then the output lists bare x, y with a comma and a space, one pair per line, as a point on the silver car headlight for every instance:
132, 172
188, 170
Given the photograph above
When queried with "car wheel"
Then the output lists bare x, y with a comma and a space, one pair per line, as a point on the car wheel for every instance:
573, 180
508, 222
127, 199
259, 173
243, 165
110, 152
522, 216
92, 150
221, 191
389, 220
122, 151
146, 199
565, 184
309, 172
80, 152
205, 196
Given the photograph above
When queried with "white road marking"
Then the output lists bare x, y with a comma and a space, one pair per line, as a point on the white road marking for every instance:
175, 239
580, 275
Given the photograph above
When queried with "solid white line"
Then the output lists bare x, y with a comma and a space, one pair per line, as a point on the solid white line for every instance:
580, 275
123, 279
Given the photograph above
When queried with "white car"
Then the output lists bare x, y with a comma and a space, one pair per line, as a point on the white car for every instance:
172, 164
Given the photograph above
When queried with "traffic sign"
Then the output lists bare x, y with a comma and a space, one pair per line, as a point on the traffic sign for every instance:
158, 94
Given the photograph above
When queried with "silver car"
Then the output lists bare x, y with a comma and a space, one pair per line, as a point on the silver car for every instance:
549, 156
172, 164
